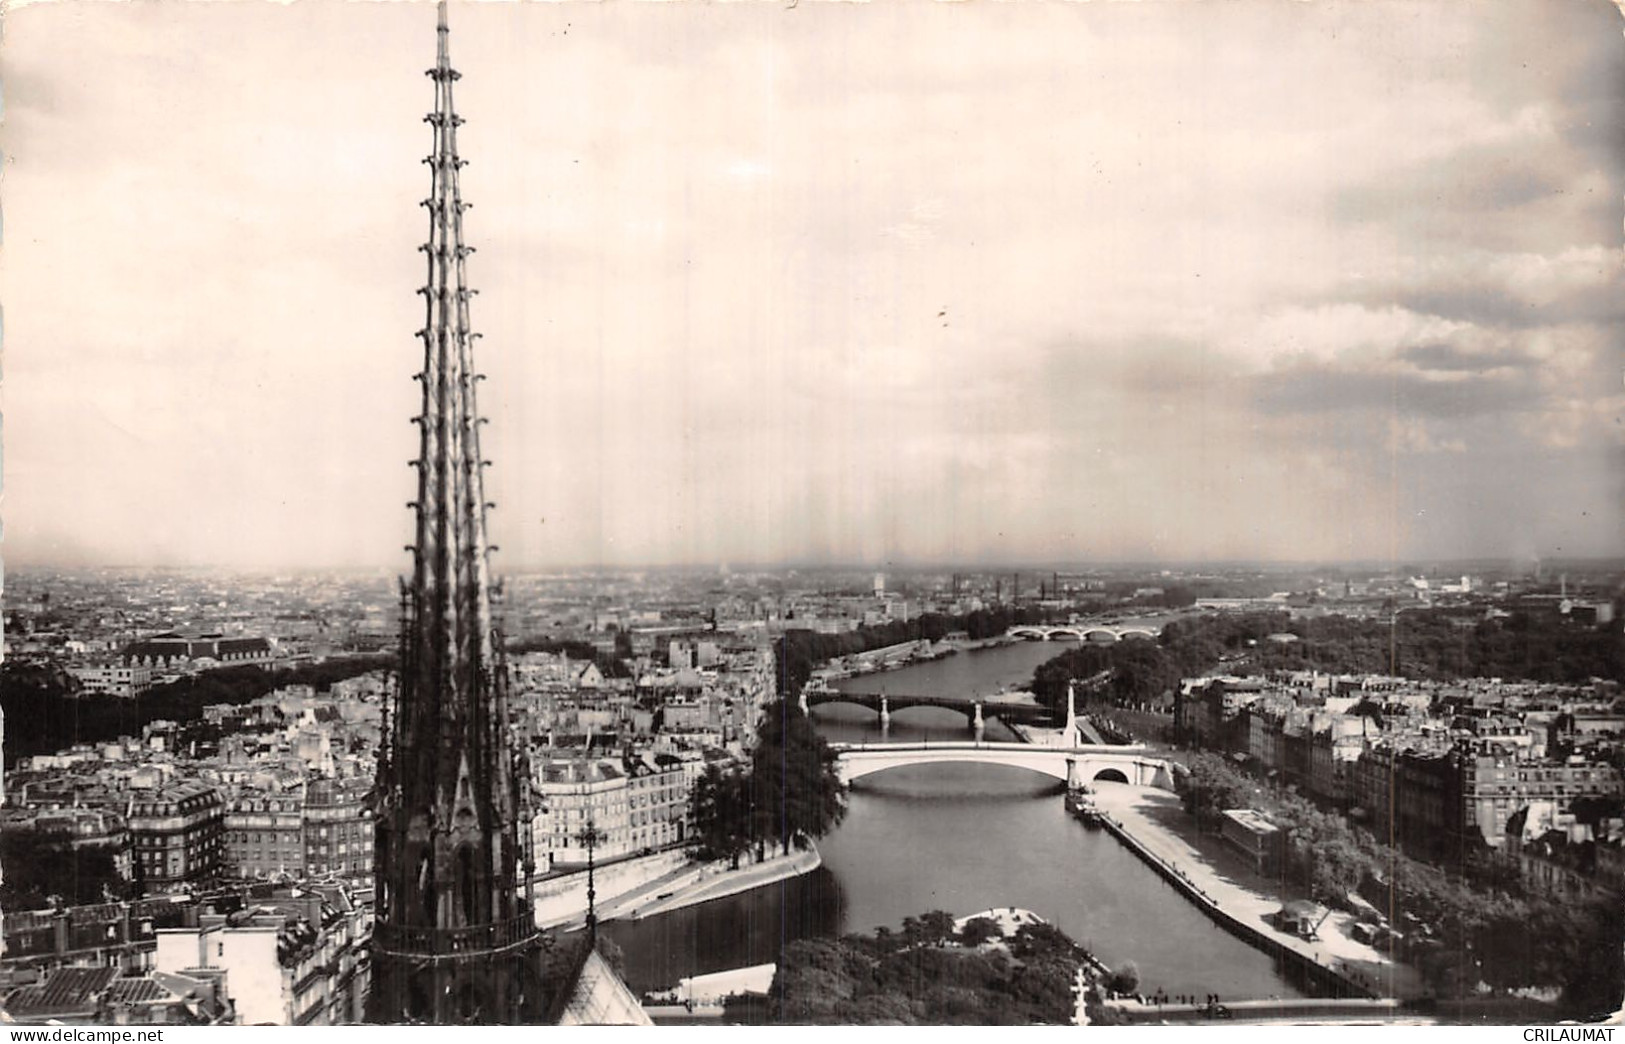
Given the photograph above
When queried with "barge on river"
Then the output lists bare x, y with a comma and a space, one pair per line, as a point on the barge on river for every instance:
1081, 803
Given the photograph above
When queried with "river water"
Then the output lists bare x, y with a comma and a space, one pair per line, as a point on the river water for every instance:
961, 838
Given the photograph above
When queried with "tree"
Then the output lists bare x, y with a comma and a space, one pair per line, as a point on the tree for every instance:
721, 809
46, 710
1177, 597
979, 930
1336, 869
40, 868
1125, 979
858, 981
937, 927
793, 778
1211, 785
1041, 940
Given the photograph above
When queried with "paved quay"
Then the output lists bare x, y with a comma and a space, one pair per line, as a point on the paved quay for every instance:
1155, 821
1293, 1011
716, 880
664, 888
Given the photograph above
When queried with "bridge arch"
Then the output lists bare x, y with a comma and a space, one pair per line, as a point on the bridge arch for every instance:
902, 713
854, 770
1083, 632
1040, 773
842, 699
1069, 764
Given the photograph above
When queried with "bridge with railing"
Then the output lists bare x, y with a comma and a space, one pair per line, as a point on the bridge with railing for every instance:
1076, 766
1007, 707
1082, 632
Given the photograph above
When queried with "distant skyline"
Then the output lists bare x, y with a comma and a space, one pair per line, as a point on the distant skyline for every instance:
898, 282
1553, 569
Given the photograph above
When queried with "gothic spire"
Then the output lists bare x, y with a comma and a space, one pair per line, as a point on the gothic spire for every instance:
453, 827
450, 571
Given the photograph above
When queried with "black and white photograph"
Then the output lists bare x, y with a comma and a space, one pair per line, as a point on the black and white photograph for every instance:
788, 513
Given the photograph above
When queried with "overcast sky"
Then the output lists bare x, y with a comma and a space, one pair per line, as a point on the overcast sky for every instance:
824, 282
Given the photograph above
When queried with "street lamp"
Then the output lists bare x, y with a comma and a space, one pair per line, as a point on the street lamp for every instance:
589, 837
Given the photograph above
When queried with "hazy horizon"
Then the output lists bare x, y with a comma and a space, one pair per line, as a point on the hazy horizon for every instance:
1029, 570
837, 285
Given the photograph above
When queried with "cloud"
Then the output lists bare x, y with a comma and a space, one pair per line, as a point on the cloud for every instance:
848, 281
1519, 290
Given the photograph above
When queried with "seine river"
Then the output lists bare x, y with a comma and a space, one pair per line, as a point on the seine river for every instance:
961, 838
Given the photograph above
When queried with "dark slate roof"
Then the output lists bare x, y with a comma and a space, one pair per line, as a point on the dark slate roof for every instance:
136, 991
67, 990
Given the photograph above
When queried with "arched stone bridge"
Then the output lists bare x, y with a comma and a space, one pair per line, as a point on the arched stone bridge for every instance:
1076, 766
1082, 632
1007, 708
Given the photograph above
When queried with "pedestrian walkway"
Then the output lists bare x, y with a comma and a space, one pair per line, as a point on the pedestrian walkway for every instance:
684, 885
716, 880
562, 901
1292, 1010
626, 903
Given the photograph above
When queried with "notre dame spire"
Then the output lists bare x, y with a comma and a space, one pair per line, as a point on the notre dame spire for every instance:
454, 940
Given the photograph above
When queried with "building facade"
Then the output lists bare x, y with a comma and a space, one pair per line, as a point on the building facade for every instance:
1494, 786
177, 833
126, 682
264, 836
174, 651
338, 831
634, 805
294, 960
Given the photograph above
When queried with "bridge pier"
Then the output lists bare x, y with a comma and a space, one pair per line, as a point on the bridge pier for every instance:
1072, 781
978, 724
885, 715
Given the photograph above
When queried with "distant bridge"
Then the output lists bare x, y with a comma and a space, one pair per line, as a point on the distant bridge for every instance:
1076, 766
1008, 708
1082, 632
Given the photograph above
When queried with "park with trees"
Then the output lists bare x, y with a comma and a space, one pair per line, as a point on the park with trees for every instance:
800, 652
925, 973
1423, 644
788, 790
44, 871
1480, 924
46, 711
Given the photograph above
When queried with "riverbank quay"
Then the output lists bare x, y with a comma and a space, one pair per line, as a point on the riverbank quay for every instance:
1320, 1010
717, 881
1039, 736
699, 992
660, 883
1154, 825
561, 900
